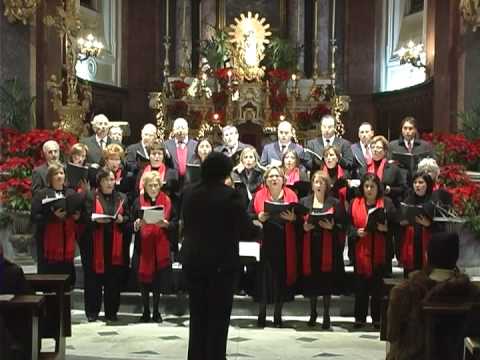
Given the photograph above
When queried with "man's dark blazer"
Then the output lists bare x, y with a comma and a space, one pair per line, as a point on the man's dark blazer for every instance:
419, 147
272, 152
39, 178
358, 157
132, 155
171, 148
235, 156
316, 145
95, 152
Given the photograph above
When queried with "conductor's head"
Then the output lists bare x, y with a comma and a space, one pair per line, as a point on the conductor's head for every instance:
216, 167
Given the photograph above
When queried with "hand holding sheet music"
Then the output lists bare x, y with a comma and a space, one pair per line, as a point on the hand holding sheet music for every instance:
375, 217
413, 213
153, 214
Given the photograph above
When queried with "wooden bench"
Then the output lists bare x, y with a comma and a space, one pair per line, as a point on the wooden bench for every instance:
22, 314
57, 324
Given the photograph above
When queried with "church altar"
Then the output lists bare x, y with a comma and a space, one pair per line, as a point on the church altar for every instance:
242, 91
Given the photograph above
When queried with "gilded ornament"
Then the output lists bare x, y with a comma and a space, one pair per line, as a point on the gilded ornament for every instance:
20, 10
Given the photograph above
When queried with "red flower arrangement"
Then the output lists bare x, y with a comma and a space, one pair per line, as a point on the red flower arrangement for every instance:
178, 87
219, 100
319, 111
277, 75
222, 73
21, 152
177, 109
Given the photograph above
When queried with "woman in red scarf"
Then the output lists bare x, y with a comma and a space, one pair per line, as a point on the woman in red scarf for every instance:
56, 228
322, 266
415, 237
168, 176
338, 176
371, 245
278, 257
105, 263
152, 245
291, 166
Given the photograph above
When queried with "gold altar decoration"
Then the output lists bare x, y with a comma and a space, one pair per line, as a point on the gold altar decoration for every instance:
249, 36
157, 102
470, 11
73, 104
20, 10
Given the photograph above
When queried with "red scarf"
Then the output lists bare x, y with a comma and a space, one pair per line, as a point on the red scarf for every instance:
326, 264
289, 196
342, 193
407, 252
98, 245
293, 176
59, 240
155, 247
161, 171
436, 186
372, 169
370, 243
118, 176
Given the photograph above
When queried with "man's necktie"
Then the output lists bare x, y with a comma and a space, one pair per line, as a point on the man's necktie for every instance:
284, 148
102, 144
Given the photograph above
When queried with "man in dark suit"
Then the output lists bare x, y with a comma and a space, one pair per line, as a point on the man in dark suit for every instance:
272, 153
215, 220
149, 132
51, 154
329, 138
180, 149
408, 143
98, 142
231, 145
361, 151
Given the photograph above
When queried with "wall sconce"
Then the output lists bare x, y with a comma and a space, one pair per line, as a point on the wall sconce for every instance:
89, 47
413, 54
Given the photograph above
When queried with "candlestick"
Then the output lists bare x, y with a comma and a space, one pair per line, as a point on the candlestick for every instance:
333, 19
229, 74
166, 12
315, 26
184, 17
298, 21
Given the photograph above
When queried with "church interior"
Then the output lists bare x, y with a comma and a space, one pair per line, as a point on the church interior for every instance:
251, 66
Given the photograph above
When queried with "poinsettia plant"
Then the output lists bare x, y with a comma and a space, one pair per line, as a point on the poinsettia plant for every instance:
21, 152
455, 155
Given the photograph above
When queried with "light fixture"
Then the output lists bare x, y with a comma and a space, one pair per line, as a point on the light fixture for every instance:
88, 47
413, 54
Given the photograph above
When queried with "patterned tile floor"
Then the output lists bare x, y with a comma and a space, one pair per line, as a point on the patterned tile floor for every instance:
129, 340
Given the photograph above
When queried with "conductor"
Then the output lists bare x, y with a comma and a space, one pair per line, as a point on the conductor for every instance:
215, 219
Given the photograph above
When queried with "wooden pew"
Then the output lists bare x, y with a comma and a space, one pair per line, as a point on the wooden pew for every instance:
57, 324
22, 314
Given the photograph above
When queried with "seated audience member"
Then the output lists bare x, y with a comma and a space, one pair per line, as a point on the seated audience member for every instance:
14, 343
152, 245
328, 138
51, 153
272, 153
439, 282
99, 141
149, 133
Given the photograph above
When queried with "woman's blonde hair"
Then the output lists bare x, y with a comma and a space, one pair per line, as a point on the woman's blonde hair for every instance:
151, 176
249, 150
270, 169
326, 179
78, 149
113, 150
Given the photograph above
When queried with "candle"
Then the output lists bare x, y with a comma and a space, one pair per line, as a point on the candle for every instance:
315, 26
215, 117
294, 77
166, 12
333, 20
298, 21
184, 17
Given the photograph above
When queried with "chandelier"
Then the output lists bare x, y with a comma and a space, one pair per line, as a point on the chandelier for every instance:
413, 54
89, 47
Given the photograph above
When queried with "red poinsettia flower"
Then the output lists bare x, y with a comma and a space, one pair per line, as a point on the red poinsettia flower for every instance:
179, 85
279, 75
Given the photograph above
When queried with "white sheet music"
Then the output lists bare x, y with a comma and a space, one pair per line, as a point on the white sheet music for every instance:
249, 249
